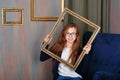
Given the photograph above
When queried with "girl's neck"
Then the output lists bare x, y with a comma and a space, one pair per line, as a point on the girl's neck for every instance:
68, 45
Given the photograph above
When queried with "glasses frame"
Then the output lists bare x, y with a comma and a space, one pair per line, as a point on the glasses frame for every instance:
91, 24
72, 34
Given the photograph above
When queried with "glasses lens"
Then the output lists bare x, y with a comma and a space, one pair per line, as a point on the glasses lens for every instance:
73, 33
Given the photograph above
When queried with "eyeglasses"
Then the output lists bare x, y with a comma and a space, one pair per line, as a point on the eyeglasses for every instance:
72, 33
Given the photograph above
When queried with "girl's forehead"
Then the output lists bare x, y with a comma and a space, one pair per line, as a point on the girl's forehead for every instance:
71, 30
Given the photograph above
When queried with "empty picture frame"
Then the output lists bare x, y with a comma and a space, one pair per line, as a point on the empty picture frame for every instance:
91, 24
12, 16
45, 10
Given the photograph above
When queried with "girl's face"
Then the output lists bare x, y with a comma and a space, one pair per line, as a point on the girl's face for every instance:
70, 35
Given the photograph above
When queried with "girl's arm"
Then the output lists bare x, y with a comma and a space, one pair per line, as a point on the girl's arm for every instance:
43, 55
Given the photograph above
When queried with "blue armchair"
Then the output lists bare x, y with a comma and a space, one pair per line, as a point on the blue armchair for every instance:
103, 61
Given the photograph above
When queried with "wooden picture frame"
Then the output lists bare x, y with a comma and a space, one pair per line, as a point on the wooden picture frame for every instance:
91, 24
43, 18
5, 20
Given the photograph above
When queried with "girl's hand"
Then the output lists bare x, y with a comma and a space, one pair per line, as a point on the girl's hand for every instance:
47, 39
87, 48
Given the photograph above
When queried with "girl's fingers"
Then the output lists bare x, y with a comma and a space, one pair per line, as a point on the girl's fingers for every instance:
47, 39
87, 48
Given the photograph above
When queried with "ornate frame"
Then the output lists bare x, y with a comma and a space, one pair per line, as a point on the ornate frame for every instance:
91, 24
4, 20
38, 18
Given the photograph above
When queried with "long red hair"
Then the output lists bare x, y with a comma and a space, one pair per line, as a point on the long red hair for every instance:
61, 42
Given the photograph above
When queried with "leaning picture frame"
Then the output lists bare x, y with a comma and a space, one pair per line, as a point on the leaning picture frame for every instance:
6, 14
91, 24
47, 17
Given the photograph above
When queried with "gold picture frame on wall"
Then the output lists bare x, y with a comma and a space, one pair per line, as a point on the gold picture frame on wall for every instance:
6, 21
43, 18
91, 24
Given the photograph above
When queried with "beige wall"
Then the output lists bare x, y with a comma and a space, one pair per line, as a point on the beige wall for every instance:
114, 19
20, 45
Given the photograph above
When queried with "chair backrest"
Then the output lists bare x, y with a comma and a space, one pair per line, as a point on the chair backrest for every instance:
104, 54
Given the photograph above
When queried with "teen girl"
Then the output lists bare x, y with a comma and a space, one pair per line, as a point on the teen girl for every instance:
68, 48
